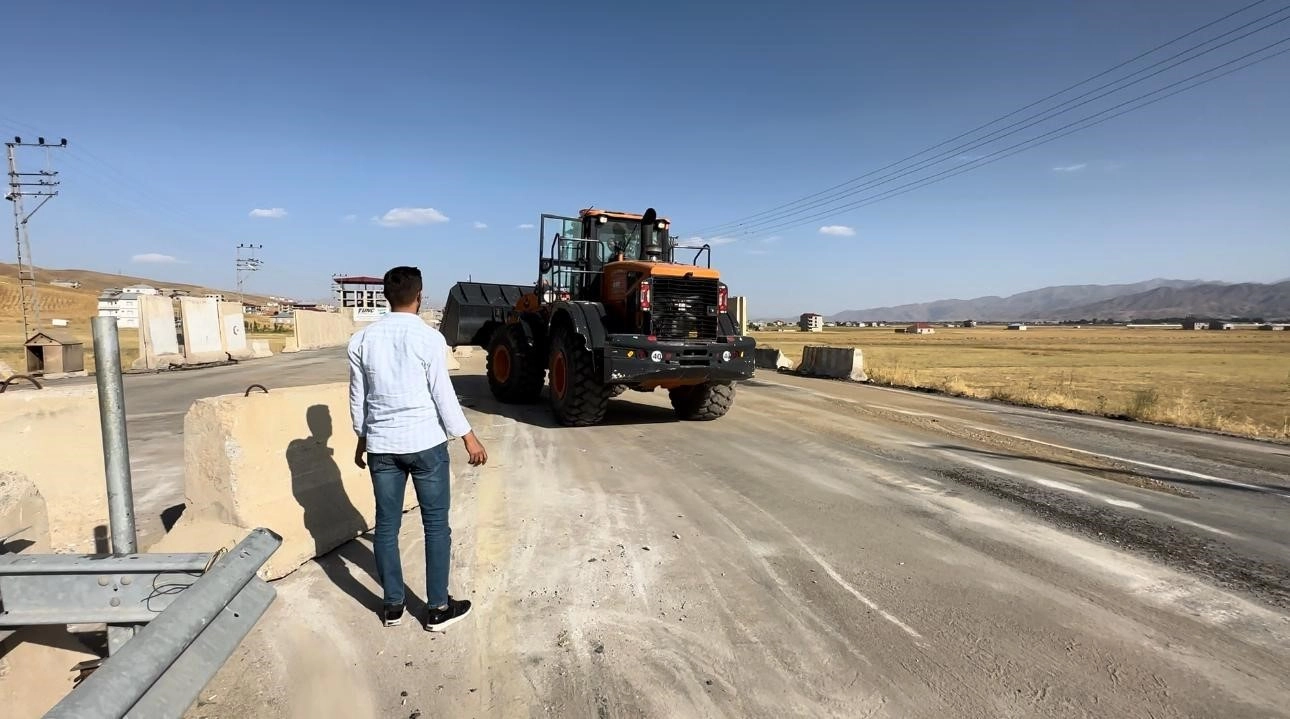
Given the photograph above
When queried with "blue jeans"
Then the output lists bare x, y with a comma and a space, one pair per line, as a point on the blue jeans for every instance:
429, 470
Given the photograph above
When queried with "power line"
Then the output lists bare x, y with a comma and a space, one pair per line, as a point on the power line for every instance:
131, 195
743, 220
987, 140
1068, 129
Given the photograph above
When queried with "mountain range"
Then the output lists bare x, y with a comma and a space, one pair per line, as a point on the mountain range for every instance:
1156, 298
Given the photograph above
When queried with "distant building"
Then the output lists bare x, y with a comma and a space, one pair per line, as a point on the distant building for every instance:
970, 323
1017, 326
284, 319
141, 290
1221, 325
121, 304
214, 296
1270, 327
360, 296
1194, 324
920, 328
69, 284
811, 322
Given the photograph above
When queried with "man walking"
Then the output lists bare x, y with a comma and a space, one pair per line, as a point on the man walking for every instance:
404, 411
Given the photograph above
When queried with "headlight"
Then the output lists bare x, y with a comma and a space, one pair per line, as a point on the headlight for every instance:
656, 355
725, 356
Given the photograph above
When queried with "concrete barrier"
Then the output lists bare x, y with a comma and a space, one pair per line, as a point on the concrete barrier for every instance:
52, 437
836, 362
259, 349
450, 359
739, 311
282, 460
771, 358
6, 371
158, 338
290, 346
463, 352
202, 337
316, 330
232, 330
24, 520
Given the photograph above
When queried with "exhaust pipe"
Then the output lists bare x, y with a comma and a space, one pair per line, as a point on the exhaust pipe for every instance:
649, 238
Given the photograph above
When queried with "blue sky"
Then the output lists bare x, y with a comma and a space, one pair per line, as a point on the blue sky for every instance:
184, 118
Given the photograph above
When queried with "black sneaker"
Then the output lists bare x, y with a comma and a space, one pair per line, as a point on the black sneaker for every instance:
393, 614
440, 619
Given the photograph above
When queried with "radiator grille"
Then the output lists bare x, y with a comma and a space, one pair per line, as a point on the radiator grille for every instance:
684, 308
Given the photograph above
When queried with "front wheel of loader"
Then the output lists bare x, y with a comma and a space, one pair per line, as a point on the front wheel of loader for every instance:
578, 399
702, 402
515, 373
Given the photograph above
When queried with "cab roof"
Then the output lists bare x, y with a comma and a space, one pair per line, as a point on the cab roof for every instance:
615, 214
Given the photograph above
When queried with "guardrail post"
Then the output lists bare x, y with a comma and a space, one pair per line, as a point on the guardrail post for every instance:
116, 449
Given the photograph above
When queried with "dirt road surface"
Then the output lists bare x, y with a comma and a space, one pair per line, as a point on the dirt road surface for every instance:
824, 550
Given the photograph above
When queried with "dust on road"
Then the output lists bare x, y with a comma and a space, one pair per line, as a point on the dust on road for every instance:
788, 560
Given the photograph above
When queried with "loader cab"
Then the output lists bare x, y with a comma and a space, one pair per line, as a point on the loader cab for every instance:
621, 236
572, 265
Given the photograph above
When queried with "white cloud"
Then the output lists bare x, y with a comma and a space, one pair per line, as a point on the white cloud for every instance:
770, 240
838, 231
526, 226
156, 258
349, 218
1070, 168
480, 226
409, 216
275, 213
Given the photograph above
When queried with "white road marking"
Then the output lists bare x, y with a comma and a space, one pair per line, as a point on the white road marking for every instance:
154, 415
1053, 484
905, 411
1063, 486
1164, 468
833, 574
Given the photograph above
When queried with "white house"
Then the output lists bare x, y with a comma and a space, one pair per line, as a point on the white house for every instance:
121, 304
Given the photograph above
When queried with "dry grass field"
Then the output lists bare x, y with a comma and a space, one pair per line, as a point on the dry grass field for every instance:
1231, 381
77, 306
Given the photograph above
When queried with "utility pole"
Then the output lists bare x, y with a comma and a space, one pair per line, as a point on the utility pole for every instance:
247, 261
21, 184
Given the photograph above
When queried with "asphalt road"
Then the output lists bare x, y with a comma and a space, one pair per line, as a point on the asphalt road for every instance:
824, 550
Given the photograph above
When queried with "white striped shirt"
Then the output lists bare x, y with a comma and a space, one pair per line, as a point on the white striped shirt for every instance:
400, 396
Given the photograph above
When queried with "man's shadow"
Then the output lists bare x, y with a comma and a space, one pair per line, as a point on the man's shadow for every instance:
328, 512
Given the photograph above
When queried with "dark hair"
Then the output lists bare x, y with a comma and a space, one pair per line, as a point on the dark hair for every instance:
402, 286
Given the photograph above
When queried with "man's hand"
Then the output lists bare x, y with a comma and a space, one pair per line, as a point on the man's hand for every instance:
359, 451
478, 455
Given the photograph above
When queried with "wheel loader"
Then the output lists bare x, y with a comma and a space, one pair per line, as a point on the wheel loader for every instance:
613, 309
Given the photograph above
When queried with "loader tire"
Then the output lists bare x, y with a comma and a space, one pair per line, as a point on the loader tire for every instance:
704, 402
578, 399
515, 372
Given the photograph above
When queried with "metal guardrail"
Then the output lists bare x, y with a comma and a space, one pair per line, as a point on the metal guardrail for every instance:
162, 669
172, 619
